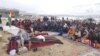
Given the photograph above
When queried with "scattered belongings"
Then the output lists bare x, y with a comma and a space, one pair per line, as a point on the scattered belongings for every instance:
33, 43
53, 33
65, 35
22, 50
39, 43
40, 33
41, 37
12, 52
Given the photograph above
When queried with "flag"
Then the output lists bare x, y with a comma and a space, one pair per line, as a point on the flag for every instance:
9, 17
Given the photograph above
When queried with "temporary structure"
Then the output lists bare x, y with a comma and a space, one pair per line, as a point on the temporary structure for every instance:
11, 29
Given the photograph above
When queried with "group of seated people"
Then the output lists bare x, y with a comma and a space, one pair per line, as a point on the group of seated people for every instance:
38, 25
85, 35
77, 30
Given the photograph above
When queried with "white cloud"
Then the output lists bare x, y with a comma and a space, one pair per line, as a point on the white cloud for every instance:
51, 6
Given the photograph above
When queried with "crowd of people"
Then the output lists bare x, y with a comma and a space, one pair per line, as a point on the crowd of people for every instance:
81, 31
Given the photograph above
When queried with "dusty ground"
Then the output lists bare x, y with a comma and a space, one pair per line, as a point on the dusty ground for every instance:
69, 48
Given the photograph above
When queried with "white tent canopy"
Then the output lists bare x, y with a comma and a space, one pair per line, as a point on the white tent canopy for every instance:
11, 29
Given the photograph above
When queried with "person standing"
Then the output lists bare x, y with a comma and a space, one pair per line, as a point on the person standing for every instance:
0, 19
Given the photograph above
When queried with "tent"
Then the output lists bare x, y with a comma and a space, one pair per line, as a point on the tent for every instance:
11, 29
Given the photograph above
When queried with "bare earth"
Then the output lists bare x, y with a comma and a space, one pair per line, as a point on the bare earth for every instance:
69, 48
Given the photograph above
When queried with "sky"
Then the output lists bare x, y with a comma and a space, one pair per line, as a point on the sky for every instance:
55, 7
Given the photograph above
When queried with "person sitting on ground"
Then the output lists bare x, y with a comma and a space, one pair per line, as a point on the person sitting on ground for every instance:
12, 45
65, 27
97, 39
84, 35
27, 25
24, 37
92, 37
71, 33
78, 35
